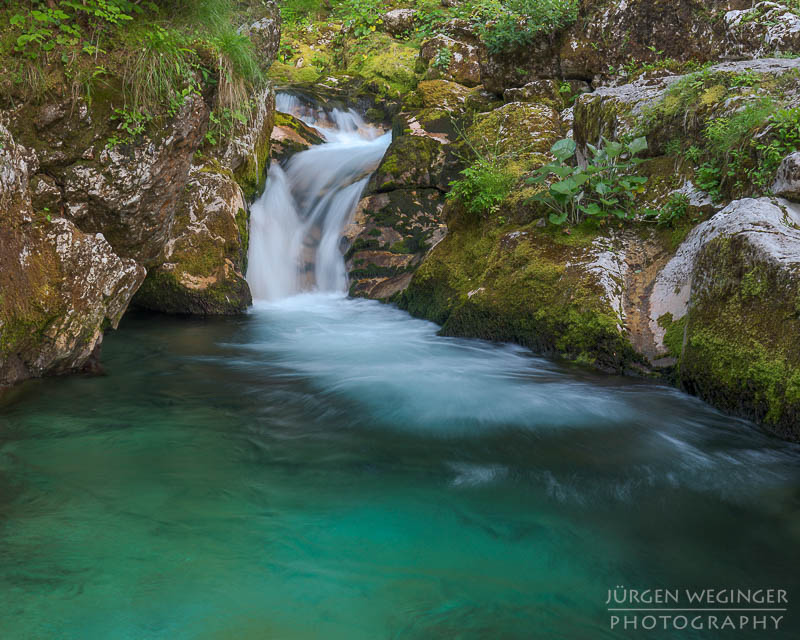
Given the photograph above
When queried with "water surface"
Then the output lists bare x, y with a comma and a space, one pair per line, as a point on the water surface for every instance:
330, 468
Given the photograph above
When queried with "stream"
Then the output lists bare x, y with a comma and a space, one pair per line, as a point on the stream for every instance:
326, 467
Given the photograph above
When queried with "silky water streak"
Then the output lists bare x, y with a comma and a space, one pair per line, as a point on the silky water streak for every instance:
297, 224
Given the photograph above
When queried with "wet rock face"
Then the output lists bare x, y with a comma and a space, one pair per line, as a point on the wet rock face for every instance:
246, 151
60, 288
390, 234
290, 135
205, 257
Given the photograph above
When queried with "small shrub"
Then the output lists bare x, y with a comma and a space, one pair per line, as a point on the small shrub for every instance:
509, 25
443, 59
674, 210
482, 187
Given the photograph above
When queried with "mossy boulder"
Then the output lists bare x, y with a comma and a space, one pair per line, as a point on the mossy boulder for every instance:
388, 66
727, 307
205, 258
413, 161
516, 137
60, 289
518, 284
443, 57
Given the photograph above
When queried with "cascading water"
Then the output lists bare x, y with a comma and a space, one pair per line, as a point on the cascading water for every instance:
296, 225
327, 467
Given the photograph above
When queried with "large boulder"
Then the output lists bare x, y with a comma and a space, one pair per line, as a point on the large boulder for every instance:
787, 182
60, 288
205, 258
127, 191
450, 59
727, 308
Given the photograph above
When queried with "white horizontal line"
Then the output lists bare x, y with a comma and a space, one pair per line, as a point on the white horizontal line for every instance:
703, 609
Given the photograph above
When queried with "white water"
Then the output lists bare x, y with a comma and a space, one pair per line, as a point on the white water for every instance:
296, 225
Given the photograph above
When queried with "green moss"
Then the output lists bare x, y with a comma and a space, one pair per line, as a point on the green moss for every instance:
408, 162
163, 291
742, 352
675, 331
386, 64
243, 224
490, 284
289, 74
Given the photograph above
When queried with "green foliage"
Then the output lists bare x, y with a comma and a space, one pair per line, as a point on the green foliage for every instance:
511, 24
482, 186
360, 17
172, 48
743, 151
131, 124
443, 59
160, 71
675, 210
738, 152
604, 188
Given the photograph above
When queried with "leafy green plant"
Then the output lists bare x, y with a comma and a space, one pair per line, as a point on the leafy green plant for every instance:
512, 24
360, 17
602, 188
443, 59
131, 124
743, 151
674, 210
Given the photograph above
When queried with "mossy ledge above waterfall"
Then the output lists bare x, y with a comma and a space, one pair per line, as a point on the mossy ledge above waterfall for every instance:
117, 120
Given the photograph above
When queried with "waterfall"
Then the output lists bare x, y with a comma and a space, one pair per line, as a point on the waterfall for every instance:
296, 225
